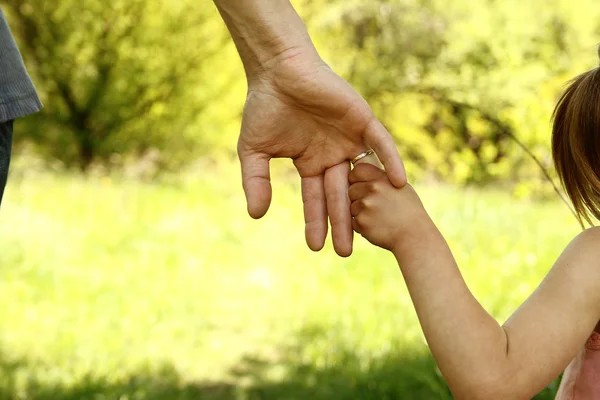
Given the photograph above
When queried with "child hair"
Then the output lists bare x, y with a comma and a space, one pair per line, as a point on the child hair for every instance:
576, 144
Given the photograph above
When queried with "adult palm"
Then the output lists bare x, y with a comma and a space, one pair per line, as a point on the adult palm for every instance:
298, 108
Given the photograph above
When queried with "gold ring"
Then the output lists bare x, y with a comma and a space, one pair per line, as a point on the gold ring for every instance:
362, 155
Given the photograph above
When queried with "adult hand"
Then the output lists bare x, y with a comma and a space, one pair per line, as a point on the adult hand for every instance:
298, 108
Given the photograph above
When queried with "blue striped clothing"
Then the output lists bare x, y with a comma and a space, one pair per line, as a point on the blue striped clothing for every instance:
18, 96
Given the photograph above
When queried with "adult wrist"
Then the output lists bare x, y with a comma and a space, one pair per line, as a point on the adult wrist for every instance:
266, 32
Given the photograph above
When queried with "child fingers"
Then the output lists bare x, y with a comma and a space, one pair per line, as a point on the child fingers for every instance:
358, 191
355, 225
365, 173
356, 207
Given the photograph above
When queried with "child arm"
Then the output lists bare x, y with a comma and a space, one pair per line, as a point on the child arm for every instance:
479, 358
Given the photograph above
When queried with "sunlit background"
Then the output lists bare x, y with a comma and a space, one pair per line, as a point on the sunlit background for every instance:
129, 268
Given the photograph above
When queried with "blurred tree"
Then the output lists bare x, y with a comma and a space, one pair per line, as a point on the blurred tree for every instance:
118, 78
455, 81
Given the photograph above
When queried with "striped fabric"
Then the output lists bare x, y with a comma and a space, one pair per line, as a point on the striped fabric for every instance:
18, 96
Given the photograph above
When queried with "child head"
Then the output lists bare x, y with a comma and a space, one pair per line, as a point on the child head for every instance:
576, 143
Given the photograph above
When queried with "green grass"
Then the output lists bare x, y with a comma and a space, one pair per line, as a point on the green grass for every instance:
120, 290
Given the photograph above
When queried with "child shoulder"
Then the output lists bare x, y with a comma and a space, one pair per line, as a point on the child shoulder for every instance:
586, 245
590, 237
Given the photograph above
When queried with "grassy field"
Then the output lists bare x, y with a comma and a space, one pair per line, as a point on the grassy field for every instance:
121, 290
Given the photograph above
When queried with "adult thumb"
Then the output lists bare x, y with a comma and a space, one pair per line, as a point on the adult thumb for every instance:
256, 180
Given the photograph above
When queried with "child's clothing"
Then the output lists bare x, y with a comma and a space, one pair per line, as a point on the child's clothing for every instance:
581, 380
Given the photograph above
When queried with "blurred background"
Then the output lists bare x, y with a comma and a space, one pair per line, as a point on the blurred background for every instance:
129, 268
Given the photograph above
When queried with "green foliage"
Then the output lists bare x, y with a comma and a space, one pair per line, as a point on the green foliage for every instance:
455, 81
124, 290
122, 78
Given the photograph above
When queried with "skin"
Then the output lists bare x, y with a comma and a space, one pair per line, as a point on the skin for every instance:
298, 108
479, 358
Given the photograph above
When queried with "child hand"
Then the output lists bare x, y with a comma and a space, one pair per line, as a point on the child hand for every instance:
382, 213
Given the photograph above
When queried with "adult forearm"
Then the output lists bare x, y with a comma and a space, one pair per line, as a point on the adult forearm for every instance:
467, 343
265, 31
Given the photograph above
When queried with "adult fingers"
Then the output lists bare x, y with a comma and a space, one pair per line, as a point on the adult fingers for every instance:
256, 181
382, 142
338, 208
315, 211
365, 173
